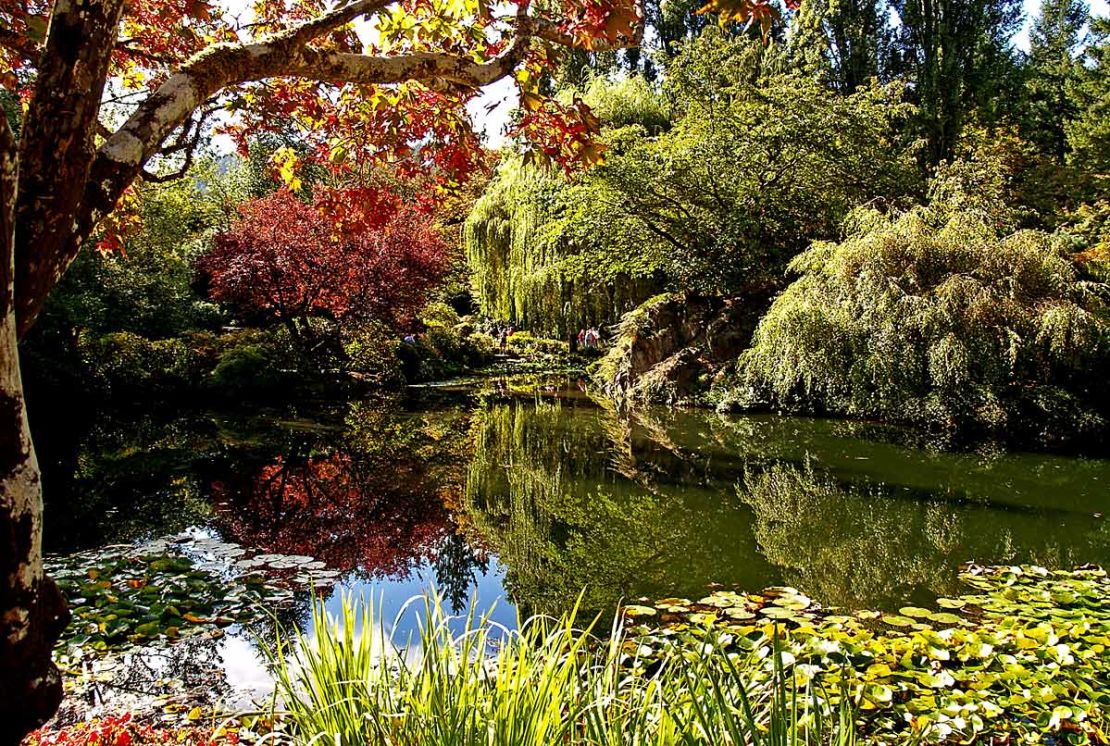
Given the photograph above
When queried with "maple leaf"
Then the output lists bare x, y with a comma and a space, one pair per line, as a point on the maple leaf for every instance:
747, 12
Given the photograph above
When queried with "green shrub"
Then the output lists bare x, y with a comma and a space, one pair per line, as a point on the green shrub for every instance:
483, 345
371, 350
525, 343
441, 352
124, 361
935, 317
244, 367
439, 315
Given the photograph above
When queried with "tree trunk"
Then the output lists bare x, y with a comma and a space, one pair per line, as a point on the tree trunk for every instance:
57, 146
32, 612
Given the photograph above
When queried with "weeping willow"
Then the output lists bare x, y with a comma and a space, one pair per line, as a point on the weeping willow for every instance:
934, 317
857, 545
523, 270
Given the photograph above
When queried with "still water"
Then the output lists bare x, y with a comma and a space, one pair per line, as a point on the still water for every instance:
518, 495
533, 492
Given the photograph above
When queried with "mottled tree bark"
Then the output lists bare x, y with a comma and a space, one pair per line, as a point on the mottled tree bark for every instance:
57, 145
32, 613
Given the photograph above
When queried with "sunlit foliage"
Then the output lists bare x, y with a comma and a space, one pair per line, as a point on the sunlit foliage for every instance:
521, 271
939, 316
352, 255
711, 182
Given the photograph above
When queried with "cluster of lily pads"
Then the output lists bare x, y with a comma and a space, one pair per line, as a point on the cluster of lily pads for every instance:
127, 595
1024, 657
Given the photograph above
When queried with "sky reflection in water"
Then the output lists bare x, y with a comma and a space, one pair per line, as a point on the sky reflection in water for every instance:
529, 491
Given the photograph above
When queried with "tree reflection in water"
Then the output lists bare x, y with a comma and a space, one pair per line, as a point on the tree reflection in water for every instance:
336, 508
361, 486
368, 499
857, 546
571, 496
567, 510
658, 503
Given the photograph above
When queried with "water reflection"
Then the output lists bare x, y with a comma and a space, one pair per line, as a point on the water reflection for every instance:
880, 545
664, 502
363, 487
532, 491
569, 509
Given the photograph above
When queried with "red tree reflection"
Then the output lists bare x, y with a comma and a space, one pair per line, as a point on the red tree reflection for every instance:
383, 519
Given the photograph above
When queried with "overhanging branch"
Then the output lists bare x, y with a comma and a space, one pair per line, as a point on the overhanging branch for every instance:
121, 158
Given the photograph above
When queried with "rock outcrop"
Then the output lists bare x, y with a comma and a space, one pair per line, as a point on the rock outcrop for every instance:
669, 349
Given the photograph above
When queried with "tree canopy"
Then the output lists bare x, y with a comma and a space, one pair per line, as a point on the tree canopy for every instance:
351, 254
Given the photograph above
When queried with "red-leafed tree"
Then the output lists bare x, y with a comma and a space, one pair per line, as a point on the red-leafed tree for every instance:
354, 254
172, 64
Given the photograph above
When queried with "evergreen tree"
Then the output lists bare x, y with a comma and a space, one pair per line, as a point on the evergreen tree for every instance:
843, 41
675, 21
1088, 134
958, 56
1055, 43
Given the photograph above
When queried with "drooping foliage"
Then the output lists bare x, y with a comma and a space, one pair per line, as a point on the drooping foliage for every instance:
711, 182
522, 272
532, 258
941, 316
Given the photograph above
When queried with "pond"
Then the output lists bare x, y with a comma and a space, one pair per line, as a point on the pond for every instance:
517, 495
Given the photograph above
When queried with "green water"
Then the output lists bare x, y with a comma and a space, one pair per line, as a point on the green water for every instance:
540, 493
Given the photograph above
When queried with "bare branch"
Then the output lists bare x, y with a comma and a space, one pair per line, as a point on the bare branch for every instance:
184, 143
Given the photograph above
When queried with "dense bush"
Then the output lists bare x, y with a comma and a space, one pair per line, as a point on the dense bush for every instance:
711, 183
526, 343
241, 362
936, 316
125, 361
758, 163
246, 366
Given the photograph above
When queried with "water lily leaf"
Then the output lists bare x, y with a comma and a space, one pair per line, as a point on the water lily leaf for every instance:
777, 612
897, 621
944, 618
914, 611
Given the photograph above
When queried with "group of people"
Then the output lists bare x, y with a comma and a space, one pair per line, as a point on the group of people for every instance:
589, 338
504, 334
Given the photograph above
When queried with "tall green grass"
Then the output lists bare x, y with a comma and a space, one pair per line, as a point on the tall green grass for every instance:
548, 682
